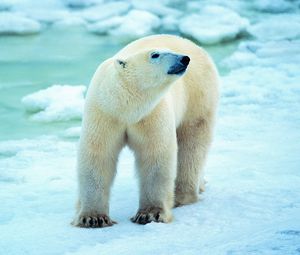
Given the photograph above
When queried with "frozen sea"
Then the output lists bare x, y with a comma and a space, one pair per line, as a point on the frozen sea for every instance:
252, 200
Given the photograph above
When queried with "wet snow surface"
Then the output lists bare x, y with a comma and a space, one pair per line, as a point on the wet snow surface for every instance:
252, 201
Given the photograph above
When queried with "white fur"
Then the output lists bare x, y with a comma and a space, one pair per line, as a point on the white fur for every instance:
167, 120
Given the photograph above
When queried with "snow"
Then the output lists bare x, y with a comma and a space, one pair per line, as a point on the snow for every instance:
226, 25
285, 54
81, 3
5, 5
70, 22
104, 26
277, 27
156, 7
133, 25
136, 24
272, 6
170, 24
73, 132
104, 11
251, 205
56, 103
48, 16
30, 6
17, 24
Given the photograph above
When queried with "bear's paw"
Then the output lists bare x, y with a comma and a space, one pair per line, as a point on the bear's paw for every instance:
93, 221
151, 214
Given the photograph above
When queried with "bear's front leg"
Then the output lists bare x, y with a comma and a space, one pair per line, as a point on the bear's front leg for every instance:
95, 177
97, 162
156, 183
155, 150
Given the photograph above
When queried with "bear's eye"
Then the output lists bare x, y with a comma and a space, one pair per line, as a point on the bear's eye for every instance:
154, 55
122, 63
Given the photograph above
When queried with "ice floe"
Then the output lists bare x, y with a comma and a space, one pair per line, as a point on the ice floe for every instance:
48, 16
5, 5
277, 27
208, 22
105, 11
156, 7
70, 22
264, 80
133, 25
104, 26
72, 132
273, 6
213, 25
284, 53
81, 3
56, 103
17, 24
136, 24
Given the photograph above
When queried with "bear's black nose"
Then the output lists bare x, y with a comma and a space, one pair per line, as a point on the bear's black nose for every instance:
185, 60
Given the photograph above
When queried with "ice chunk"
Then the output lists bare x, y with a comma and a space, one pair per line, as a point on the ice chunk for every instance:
136, 24
81, 3
70, 22
275, 54
5, 5
273, 87
264, 74
56, 103
72, 132
273, 6
48, 16
46, 11
17, 24
27, 6
103, 26
214, 24
105, 11
170, 23
156, 7
277, 27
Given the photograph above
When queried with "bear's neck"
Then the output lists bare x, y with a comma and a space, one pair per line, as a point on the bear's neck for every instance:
128, 104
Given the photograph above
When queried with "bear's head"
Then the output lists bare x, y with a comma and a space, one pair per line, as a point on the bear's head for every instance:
152, 68
130, 87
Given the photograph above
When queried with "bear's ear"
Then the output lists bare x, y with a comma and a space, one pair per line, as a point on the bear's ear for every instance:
120, 63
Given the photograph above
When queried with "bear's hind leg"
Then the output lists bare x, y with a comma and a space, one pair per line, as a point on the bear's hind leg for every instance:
193, 143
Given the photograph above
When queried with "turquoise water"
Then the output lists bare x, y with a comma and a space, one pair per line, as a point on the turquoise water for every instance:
31, 63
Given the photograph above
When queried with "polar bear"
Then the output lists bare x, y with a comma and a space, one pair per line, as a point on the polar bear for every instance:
158, 95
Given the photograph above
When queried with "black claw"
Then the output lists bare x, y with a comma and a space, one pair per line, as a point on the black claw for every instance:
138, 218
100, 222
133, 219
157, 216
96, 222
106, 220
84, 220
147, 219
142, 219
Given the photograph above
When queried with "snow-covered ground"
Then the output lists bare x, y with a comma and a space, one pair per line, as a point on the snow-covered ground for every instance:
252, 201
